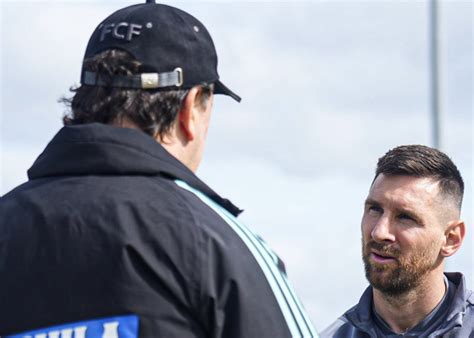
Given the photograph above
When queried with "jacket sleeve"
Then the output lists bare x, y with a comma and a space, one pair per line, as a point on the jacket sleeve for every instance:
244, 288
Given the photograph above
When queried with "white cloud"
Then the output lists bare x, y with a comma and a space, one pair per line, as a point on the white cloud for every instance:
15, 160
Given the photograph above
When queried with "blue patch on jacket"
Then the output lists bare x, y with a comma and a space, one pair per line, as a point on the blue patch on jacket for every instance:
112, 327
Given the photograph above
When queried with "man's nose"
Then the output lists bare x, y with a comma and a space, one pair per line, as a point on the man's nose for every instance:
383, 230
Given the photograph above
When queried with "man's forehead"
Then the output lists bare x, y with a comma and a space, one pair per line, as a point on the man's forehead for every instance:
404, 189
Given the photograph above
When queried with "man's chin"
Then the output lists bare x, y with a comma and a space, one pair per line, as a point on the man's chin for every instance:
380, 280
392, 290
388, 283
385, 278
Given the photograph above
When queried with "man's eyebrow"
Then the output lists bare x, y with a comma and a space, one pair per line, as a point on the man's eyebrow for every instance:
371, 201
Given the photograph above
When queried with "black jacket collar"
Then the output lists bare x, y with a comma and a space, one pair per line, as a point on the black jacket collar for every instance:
361, 315
98, 149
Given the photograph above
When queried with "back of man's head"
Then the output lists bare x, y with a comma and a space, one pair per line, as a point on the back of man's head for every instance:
139, 65
426, 162
151, 110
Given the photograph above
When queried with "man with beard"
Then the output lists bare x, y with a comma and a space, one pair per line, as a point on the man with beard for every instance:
411, 223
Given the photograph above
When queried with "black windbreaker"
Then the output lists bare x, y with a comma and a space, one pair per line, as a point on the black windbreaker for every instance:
112, 236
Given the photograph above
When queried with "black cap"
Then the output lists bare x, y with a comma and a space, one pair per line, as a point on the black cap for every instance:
173, 44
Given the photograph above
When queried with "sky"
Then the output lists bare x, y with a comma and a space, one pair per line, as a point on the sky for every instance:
327, 88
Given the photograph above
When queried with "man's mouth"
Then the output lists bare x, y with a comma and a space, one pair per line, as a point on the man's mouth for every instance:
381, 258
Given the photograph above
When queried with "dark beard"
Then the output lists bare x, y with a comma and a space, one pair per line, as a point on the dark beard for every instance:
395, 280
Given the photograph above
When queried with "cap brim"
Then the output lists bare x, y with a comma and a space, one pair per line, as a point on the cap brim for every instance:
220, 88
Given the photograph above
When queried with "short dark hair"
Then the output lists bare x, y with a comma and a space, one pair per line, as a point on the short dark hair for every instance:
153, 111
423, 161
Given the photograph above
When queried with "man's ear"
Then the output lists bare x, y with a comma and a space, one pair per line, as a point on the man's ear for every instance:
454, 236
187, 114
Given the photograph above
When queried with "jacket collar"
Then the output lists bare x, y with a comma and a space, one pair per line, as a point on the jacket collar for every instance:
462, 296
99, 149
361, 314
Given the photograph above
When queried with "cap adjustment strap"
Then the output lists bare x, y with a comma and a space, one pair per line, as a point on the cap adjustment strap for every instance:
144, 80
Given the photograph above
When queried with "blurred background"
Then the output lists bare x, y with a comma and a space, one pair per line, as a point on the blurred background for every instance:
328, 87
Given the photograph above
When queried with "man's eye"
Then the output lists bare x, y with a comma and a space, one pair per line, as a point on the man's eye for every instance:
406, 217
373, 209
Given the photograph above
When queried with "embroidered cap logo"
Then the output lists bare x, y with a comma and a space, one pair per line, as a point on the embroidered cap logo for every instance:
121, 30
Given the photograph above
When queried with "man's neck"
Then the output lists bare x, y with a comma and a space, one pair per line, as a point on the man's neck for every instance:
403, 312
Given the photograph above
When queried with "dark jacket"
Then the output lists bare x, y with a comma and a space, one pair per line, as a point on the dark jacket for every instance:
459, 322
113, 233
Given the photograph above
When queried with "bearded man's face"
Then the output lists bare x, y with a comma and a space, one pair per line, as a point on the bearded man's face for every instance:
401, 233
